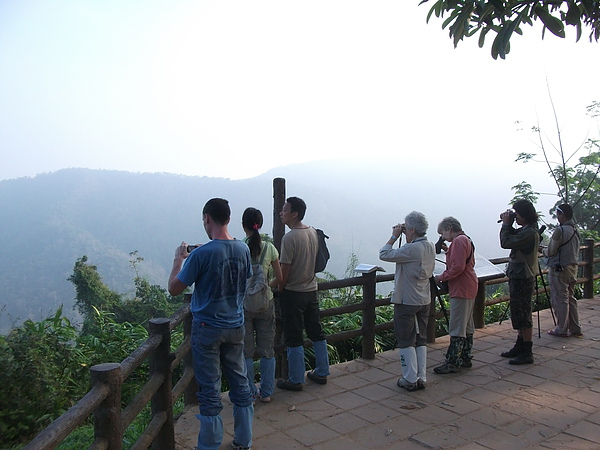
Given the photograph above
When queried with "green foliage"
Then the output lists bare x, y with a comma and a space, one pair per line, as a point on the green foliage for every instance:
41, 369
467, 18
92, 293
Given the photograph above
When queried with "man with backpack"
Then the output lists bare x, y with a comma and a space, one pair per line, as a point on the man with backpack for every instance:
298, 298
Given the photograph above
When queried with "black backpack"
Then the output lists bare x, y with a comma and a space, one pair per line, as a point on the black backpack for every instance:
322, 252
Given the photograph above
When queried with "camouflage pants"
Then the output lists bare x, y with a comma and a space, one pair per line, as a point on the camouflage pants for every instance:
521, 294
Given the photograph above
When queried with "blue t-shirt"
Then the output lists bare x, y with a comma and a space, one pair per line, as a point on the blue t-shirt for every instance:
219, 270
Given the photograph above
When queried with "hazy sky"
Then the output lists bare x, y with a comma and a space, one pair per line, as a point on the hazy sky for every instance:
234, 88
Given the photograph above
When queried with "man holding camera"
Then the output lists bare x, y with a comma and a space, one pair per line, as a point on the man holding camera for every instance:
522, 269
219, 271
563, 254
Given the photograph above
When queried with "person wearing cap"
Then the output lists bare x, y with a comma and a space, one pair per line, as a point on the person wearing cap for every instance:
522, 269
563, 253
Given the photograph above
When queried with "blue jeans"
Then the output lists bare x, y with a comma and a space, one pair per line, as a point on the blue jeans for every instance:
213, 349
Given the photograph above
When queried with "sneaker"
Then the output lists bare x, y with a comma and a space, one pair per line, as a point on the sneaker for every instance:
420, 384
238, 446
467, 363
316, 378
404, 384
446, 368
288, 385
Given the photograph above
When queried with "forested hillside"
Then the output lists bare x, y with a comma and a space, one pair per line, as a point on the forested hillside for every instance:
51, 220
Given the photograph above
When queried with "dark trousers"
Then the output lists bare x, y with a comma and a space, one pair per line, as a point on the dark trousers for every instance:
299, 312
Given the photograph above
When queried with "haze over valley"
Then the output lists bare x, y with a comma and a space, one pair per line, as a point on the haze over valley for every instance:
51, 220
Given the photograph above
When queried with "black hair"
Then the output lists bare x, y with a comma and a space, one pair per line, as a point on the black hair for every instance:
218, 210
527, 211
566, 209
252, 219
297, 205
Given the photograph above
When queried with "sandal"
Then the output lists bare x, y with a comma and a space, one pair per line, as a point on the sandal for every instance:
557, 334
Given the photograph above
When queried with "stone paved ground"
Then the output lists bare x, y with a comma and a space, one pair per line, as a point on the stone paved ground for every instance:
553, 403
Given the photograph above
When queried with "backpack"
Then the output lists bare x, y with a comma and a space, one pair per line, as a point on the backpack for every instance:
322, 252
256, 299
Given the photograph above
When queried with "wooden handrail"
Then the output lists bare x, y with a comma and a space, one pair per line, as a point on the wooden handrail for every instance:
104, 398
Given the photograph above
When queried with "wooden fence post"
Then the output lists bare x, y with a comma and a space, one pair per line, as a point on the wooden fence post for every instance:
369, 315
588, 268
189, 395
162, 401
107, 418
278, 232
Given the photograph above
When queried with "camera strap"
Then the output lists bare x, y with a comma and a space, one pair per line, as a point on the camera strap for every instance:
569, 240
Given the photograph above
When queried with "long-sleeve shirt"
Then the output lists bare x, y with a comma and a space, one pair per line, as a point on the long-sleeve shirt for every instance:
523, 244
415, 262
563, 248
460, 272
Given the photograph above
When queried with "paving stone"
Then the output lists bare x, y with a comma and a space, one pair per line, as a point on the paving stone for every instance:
345, 423
553, 403
312, 433
439, 438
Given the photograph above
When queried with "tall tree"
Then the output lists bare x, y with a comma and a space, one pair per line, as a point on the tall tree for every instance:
469, 17
578, 182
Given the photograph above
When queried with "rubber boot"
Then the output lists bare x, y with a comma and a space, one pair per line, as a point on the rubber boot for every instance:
267, 377
296, 364
453, 356
421, 366
243, 417
211, 432
526, 355
467, 354
515, 350
408, 362
321, 358
250, 376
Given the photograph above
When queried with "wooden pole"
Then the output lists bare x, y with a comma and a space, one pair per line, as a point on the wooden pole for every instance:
162, 401
369, 315
107, 418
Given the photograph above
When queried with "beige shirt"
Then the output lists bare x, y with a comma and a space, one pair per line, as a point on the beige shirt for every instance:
299, 249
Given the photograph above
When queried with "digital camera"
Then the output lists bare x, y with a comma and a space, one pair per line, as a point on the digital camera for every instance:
191, 247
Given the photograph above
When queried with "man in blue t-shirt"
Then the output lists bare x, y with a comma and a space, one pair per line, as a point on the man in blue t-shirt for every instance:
218, 270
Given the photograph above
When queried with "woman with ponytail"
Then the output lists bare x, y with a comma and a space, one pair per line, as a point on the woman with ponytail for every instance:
260, 327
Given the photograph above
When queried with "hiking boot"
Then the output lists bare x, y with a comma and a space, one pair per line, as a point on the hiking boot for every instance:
288, 385
311, 375
404, 384
445, 368
467, 363
526, 355
515, 350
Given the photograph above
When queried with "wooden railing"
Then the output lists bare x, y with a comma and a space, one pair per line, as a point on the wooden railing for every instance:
103, 401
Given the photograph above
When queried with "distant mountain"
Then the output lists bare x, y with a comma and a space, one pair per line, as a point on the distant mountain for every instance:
52, 219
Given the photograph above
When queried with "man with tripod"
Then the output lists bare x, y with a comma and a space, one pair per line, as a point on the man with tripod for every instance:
563, 254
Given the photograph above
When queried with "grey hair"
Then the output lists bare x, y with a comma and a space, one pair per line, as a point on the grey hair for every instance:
417, 221
449, 223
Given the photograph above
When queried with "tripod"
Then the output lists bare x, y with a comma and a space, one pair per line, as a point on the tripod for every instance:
540, 275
